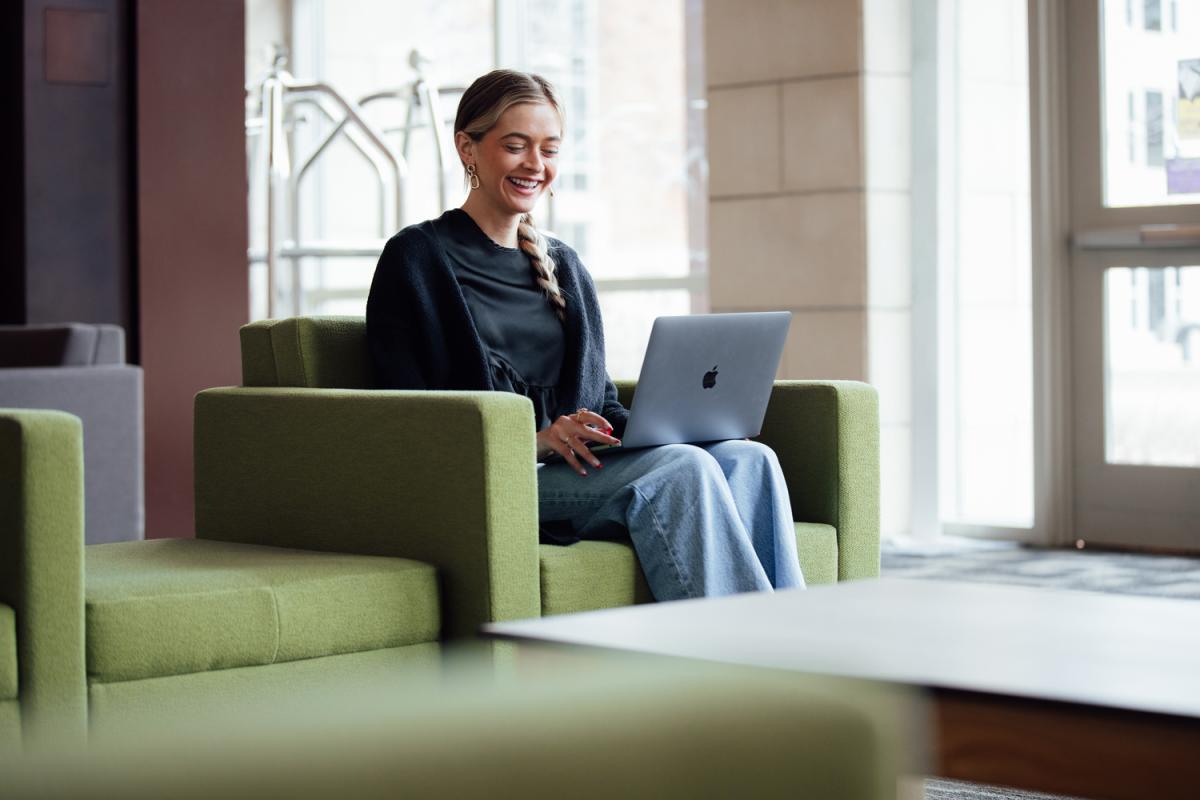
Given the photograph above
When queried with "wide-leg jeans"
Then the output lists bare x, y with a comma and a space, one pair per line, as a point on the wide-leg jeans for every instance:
705, 520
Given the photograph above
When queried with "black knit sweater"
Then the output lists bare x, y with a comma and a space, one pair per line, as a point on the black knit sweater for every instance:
421, 335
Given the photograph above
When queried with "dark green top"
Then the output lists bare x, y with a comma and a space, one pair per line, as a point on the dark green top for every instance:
520, 331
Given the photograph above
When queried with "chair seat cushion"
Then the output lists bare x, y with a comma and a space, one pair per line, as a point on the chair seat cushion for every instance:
589, 575
8, 653
606, 574
177, 606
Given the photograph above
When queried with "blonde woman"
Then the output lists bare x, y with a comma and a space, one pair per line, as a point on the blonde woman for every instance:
480, 299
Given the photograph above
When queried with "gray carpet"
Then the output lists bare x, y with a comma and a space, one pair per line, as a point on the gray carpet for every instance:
1086, 570
956, 790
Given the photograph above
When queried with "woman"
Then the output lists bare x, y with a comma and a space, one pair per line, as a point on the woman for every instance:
480, 299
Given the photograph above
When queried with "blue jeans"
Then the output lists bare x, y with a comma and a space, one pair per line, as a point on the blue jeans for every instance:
705, 520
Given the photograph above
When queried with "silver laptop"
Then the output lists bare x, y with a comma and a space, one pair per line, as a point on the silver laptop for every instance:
706, 377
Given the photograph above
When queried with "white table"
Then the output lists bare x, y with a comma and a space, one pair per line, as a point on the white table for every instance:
1071, 692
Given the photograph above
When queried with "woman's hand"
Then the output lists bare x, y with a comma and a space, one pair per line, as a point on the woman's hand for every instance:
569, 434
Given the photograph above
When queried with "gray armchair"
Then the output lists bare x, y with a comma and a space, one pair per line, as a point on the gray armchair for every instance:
81, 369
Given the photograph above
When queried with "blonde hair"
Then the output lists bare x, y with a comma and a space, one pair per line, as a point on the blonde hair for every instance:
481, 106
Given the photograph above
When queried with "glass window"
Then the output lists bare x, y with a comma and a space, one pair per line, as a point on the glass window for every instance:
986, 360
626, 186
1152, 15
1152, 366
1160, 64
1154, 129
1132, 128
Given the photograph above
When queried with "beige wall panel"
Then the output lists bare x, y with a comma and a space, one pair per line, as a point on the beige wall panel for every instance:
788, 252
888, 132
889, 363
826, 345
764, 40
889, 249
822, 135
887, 36
743, 141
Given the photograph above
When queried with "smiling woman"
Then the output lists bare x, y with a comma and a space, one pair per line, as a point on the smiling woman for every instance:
480, 299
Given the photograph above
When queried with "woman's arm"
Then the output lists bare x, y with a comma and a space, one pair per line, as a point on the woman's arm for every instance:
612, 410
609, 406
391, 340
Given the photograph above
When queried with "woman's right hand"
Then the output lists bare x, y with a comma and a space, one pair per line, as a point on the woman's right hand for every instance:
569, 434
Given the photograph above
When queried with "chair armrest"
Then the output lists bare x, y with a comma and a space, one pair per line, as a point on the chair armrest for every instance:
826, 434
448, 478
41, 566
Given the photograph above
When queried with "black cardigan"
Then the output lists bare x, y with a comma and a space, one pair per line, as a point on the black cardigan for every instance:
421, 336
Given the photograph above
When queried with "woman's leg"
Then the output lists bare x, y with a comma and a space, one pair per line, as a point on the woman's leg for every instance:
761, 496
675, 503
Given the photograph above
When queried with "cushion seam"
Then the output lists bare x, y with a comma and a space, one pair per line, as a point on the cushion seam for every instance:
278, 632
300, 355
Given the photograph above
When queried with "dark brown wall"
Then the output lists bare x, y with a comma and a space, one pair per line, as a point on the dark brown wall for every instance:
67, 114
12, 163
193, 288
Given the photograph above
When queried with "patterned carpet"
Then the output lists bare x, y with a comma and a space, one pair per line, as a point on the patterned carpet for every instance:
1086, 570
956, 790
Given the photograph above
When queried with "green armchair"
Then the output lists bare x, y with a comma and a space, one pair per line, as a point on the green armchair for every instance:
305, 454
42, 691
92, 639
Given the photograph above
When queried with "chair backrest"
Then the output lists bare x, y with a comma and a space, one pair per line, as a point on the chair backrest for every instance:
68, 344
310, 352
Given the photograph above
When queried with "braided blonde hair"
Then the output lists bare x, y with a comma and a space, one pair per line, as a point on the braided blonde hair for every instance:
533, 242
481, 106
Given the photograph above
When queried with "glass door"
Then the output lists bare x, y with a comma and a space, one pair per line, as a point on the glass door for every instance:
1133, 98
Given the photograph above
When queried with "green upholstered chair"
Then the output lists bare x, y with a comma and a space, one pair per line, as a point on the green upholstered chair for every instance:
599, 730
308, 455
110, 632
42, 688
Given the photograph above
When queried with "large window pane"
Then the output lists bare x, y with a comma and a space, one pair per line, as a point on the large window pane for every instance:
628, 318
631, 166
985, 366
1151, 98
1152, 366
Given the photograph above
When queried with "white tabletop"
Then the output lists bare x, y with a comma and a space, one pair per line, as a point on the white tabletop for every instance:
1136, 653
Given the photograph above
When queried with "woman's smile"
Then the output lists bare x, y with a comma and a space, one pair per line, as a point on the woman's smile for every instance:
525, 186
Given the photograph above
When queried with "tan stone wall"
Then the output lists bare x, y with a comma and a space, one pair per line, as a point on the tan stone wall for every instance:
809, 193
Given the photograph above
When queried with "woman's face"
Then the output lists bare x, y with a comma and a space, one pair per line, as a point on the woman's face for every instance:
517, 159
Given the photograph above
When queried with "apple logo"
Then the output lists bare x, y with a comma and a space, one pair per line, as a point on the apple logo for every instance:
710, 378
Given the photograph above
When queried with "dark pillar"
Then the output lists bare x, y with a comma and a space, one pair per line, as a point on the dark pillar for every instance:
193, 284
66, 163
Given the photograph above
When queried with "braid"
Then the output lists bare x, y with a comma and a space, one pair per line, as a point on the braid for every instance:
531, 240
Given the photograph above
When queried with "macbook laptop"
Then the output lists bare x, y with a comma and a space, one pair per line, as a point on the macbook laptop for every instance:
706, 377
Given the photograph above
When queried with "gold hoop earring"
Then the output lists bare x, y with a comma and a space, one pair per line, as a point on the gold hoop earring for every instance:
472, 178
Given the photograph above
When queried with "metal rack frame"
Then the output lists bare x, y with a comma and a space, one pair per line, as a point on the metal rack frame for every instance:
272, 118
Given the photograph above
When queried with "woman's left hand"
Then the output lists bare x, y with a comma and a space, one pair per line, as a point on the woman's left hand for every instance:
568, 437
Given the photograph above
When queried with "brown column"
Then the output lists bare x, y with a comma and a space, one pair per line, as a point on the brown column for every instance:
193, 290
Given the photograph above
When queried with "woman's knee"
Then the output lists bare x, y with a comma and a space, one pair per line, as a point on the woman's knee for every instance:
687, 458
743, 450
